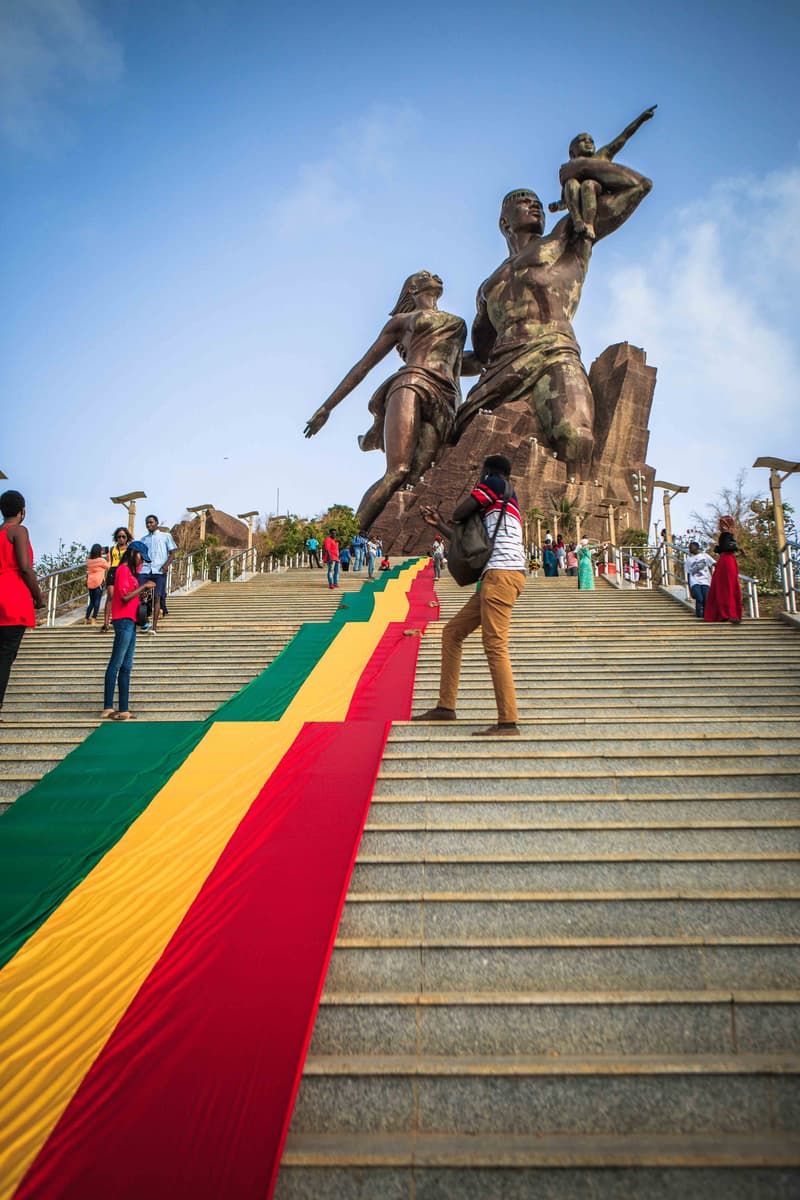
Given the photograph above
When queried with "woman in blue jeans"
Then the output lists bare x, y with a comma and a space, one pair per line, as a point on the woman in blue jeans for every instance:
124, 604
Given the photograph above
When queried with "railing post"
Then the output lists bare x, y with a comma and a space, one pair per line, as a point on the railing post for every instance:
787, 580
52, 600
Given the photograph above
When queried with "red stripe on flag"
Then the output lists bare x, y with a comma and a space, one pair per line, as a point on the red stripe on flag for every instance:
386, 686
193, 1092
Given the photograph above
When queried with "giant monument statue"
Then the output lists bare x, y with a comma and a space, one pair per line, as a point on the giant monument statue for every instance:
523, 330
562, 429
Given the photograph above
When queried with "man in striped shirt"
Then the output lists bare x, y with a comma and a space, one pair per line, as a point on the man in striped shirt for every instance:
490, 607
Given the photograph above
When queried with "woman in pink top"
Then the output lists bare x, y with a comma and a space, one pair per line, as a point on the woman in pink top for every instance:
19, 587
124, 604
572, 559
96, 567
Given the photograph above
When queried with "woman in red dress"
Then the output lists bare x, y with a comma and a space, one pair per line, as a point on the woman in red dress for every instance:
724, 601
19, 588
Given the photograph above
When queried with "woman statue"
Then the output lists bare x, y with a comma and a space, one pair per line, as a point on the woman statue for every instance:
413, 410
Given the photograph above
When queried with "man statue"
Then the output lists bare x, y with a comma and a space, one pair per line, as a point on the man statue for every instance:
523, 329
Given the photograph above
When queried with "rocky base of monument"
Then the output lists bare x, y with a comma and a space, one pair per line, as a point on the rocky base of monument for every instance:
623, 387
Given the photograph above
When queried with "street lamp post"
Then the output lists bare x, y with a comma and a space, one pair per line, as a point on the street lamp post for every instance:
202, 511
639, 494
128, 502
249, 518
776, 465
671, 490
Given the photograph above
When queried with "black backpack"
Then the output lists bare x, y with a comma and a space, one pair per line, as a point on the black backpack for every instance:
470, 545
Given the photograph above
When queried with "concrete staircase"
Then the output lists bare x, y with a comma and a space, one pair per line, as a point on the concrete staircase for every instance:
215, 640
568, 963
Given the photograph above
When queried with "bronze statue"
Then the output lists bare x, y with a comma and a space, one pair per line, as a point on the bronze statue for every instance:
413, 410
590, 172
523, 329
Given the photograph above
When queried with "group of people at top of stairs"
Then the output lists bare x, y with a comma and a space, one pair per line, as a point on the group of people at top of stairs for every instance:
490, 607
714, 586
575, 560
158, 550
364, 550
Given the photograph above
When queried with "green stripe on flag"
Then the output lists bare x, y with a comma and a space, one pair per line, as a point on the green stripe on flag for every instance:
52, 837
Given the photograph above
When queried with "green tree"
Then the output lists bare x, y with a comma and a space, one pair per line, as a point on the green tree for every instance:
71, 584
637, 538
567, 512
341, 518
210, 554
74, 555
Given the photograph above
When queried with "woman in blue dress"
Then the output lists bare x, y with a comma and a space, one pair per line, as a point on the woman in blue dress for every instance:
549, 561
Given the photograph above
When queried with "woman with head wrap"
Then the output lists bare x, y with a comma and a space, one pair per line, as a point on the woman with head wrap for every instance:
724, 602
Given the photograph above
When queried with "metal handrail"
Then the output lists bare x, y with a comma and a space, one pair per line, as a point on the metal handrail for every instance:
242, 563
50, 585
786, 567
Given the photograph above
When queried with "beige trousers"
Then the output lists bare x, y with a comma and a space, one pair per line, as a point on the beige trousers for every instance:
490, 608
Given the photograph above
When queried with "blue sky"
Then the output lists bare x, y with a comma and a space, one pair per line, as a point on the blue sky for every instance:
209, 208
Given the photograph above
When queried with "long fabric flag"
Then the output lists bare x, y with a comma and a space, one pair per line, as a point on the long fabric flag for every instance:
165, 931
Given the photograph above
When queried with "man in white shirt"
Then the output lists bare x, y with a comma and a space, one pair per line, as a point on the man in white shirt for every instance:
161, 548
490, 607
698, 567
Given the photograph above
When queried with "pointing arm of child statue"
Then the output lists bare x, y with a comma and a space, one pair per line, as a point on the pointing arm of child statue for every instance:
590, 173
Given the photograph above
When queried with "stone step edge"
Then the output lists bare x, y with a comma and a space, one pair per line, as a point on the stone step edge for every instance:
399, 737
481, 750
337, 999
572, 827
386, 860
539, 1065
609, 773
521, 943
574, 798
498, 1151
444, 729
668, 897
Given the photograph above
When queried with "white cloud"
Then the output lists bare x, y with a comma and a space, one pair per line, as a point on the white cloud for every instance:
332, 188
50, 52
711, 306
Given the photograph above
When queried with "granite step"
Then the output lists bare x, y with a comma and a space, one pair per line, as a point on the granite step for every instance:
582, 844
562, 1023
454, 917
486, 875
564, 964
695, 811
527, 1094
418, 1166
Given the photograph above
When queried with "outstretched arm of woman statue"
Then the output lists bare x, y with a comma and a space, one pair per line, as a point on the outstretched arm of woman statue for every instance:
386, 341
